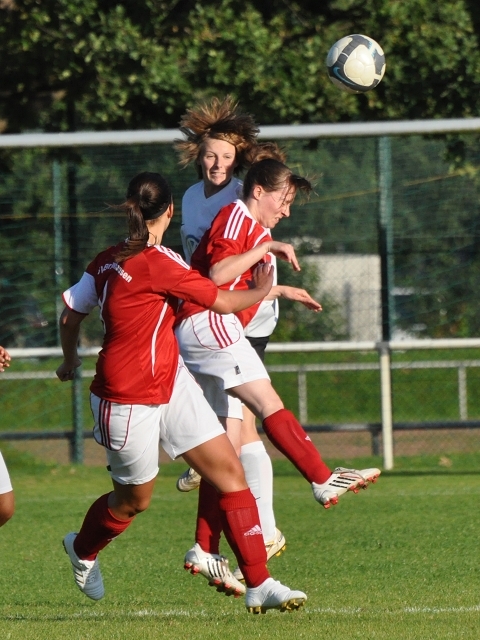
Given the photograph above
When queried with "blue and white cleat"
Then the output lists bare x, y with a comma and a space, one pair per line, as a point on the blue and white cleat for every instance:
86, 573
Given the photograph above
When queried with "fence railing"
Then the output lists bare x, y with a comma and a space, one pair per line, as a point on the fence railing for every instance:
384, 366
302, 369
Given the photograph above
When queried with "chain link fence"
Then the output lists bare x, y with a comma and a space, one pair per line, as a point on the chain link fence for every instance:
389, 242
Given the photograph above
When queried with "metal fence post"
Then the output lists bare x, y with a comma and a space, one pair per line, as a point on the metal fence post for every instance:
77, 411
386, 405
302, 397
58, 237
385, 235
462, 393
385, 249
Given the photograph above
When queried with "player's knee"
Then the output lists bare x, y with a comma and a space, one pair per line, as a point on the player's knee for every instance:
127, 509
139, 505
237, 477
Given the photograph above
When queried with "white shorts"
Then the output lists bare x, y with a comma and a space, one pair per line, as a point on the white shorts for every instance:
216, 351
131, 433
5, 484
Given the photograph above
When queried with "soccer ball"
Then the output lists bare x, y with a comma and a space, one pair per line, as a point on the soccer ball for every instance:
356, 63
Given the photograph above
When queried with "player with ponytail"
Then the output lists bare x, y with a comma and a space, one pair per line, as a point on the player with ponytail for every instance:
142, 395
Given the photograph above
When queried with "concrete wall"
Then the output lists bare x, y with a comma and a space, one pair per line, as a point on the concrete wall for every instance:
354, 281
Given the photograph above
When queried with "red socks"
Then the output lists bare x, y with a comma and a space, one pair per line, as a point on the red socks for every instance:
288, 436
237, 514
209, 524
99, 527
241, 525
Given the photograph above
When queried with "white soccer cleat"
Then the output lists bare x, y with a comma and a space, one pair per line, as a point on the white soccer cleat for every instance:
189, 480
215, 569
273, 595
273, 548
341, 481
86, 573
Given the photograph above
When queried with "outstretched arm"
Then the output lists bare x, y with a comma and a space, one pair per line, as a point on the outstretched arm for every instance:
295, 294
69, 323
231, 267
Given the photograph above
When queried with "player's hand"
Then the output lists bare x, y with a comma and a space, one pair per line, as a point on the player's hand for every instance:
300, 295
4, 359
66, 371
263, 276
286, 252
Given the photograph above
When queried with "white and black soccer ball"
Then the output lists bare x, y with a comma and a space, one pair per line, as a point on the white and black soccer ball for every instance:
356, 63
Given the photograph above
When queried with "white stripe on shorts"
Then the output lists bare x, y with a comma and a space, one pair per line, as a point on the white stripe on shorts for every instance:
218, 330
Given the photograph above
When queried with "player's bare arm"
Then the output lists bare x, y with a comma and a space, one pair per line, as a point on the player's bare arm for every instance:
231, 267
4, 359
237, 300
69, 323
295, 294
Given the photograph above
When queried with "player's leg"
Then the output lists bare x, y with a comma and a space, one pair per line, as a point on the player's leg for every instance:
209, 523
7, 500
7, 506
191, 429
130, 439
229, 413
258, 470
229, 358
208, 358
219, 466
257, 467
289, 437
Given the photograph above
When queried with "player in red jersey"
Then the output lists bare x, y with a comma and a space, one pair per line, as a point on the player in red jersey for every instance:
7, 501
142, 394
215, 347
221, 141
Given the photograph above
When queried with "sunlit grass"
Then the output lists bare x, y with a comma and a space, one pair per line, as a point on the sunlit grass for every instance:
395, 562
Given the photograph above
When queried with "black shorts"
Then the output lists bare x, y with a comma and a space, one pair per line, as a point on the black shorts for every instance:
259, 344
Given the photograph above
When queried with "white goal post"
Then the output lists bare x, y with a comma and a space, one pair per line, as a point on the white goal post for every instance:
274, 132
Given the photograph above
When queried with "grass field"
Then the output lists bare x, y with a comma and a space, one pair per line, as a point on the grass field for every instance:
396, 562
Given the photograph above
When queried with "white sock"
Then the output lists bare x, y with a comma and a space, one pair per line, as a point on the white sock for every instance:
259, 475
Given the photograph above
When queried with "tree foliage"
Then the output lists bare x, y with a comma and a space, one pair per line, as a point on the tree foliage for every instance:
98, 64
125, 64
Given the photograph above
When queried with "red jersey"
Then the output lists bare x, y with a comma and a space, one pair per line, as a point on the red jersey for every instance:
233, 232
138, 301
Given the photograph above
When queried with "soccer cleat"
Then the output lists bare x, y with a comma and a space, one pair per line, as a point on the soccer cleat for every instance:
273, 548
86, 573
189, 480
271, 594
215, 569
341, 481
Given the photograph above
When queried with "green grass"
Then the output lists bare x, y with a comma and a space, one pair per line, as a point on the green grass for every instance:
396, 562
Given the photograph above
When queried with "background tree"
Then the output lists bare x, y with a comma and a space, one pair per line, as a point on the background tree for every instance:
123, 64
104, 64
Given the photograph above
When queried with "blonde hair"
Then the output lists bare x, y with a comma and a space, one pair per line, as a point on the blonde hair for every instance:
220, 120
